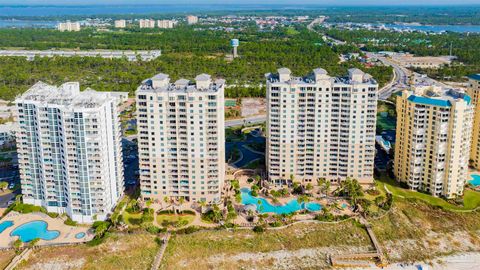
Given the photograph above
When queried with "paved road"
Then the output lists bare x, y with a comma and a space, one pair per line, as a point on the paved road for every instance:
246, 121
401, 77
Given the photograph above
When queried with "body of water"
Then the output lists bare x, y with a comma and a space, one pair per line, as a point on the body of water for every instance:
4, 225
438, 28
263, 206
34, 229
475, 181
27, 24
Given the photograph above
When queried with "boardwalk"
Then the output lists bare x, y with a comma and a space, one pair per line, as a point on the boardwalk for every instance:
159, 256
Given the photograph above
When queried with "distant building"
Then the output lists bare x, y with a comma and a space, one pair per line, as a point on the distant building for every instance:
181, 138
120, 23
146, 23
69, 26
422, 61
321, 126
7, 133
69, 150
192, 19
165, 24
433, 134
474, 91
130, 55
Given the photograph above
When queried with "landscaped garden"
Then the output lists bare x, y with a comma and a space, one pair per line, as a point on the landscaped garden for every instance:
469, 201
172, 220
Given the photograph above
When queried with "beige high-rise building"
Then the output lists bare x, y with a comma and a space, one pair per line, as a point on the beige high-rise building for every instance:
120, 23
69, 26
146, 23
165, 24
474, 91
181, 138
434, 128
321, 126
192, 19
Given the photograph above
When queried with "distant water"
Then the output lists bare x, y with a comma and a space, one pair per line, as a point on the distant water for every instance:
439, 28
48, 10
27, 24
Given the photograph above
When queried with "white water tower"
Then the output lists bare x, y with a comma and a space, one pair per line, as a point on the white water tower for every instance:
234, 43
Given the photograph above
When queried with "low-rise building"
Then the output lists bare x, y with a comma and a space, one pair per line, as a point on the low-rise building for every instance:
146, 23
192, 19
422, 61
120, 23
68, 26
166, 24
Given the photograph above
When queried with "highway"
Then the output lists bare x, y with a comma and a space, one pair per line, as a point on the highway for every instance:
400, 80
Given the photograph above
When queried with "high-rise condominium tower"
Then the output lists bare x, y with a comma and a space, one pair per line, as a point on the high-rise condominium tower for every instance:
434, 127
181, 138
69, 150
320, 126
474, 91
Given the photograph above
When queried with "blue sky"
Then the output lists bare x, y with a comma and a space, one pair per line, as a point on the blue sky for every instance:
316, 2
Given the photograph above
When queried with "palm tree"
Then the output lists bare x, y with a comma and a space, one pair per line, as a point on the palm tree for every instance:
165, 199
203, 204
181, 201
303, 200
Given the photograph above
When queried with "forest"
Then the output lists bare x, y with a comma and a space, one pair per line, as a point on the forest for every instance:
463, 46
185, 53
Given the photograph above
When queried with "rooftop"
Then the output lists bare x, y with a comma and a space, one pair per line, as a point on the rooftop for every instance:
437, 96
354, 75
67, 94
161, 83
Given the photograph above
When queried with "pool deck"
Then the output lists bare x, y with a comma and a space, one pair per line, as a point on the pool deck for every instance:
67, 233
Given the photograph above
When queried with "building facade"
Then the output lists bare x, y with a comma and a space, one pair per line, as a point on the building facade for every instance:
192, 19
165, 24
146, 23
434, 128
473, 91
69, 26
181, 138
120, 23
320, 126
69, 150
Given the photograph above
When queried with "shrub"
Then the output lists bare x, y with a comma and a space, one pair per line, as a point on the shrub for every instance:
165, 212
188, 230
188, 212
70, 222
52, 214
258, 229
154, 229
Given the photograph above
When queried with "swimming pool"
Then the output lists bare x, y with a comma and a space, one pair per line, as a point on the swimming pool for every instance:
4, 225
80, 235
263, 206
475, 180
34, 229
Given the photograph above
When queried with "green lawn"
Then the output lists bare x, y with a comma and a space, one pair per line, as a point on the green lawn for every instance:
132, 219
471, 198
179, 219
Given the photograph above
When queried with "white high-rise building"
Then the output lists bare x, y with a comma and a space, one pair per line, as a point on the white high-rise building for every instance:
320, 126
120, 23
181, 138
69, 150
166, 23
146, 23
69, 26
192, 19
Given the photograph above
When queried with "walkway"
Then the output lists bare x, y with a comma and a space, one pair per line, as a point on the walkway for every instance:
159, 256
